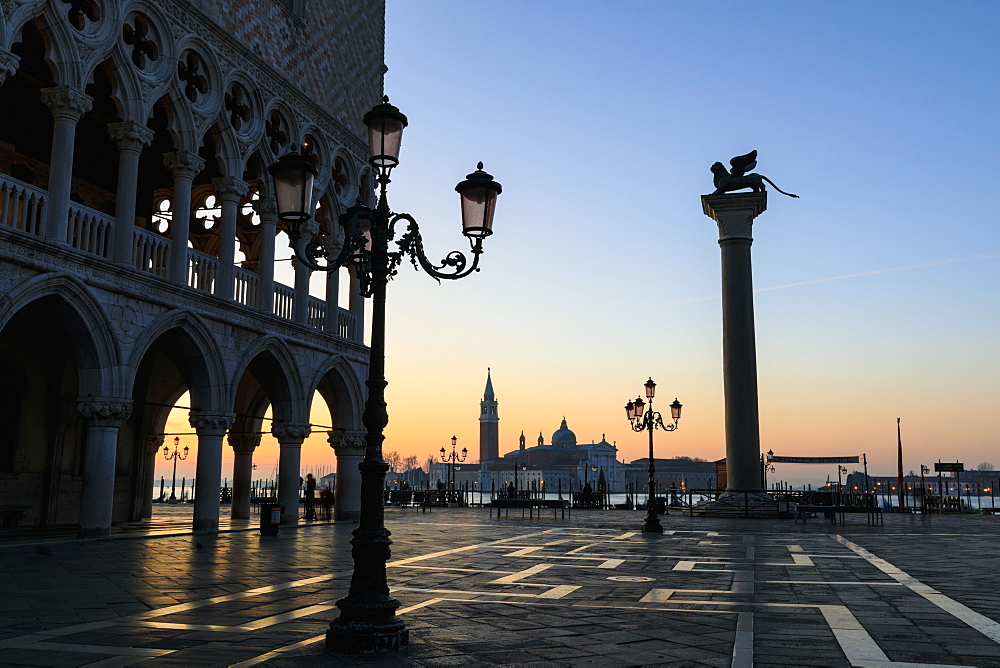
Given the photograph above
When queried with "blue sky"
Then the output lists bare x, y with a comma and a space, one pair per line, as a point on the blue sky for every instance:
877, 290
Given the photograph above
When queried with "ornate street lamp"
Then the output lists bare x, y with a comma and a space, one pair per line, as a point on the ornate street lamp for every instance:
641, 420
174, 456
367, 621
453, 459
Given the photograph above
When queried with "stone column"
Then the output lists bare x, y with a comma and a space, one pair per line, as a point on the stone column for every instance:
67, 106
300, 305
103, 417
334, 243
153, 443
356, 305
211, 427
229, 190
734, 214
290, 437
184, 166
267, 209
243, 447
350, 449
131, 138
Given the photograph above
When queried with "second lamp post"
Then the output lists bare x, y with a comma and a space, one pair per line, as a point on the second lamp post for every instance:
368, 621
452, 459
642, 420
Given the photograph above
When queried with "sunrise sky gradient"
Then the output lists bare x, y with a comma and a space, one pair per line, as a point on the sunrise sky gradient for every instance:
876, 294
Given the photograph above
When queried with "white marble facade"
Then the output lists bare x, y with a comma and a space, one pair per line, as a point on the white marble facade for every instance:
137, 249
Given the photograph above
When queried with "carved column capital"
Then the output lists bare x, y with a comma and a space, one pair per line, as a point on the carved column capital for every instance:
267, 209
346, 443
734, 213
153, 443
211, 424
8, 65
290, 434
230, 188
130, 136
104, 412
183, 164
243, 443
67, 103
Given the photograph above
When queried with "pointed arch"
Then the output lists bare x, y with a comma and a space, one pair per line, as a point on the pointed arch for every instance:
283, 385
96, 348
205, 366
338, 383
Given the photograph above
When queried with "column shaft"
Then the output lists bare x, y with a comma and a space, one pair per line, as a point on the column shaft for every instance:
734, 214
350, 449
208, 472
300, 307
67, 106
130, 138
229, 190
243, 448
290, 437
184, 167
356, 305
267, 209
101, 448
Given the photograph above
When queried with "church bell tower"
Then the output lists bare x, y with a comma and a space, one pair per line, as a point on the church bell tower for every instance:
489, 424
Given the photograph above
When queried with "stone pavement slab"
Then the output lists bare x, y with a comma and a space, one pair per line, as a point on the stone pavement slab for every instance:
476, 590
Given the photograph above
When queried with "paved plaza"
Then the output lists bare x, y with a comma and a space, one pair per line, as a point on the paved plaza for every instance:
475, 590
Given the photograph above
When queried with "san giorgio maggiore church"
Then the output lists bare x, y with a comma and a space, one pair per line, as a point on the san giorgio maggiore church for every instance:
562, 462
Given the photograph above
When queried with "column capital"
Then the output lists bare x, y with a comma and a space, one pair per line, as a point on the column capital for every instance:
8, 65
734, 213
183, 163
153, 443
211, 424
243, 443
290, 433
230, 188
266, 208
130, 136
347, 442
67, 103
104, 412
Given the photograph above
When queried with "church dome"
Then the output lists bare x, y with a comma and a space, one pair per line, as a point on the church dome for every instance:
563, 437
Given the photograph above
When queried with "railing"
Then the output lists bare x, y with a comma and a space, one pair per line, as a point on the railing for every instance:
202, 270
22, 207
316, 310
150, 252
284, 301
347, 324
89, 230
245, 286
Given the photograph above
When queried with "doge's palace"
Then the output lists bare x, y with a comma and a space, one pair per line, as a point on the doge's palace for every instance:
138, 237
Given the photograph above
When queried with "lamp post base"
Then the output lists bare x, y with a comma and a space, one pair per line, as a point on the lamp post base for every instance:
651, 524
367, 638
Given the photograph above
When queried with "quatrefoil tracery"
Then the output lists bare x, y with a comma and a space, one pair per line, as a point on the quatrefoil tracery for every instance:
137, 37
188, 71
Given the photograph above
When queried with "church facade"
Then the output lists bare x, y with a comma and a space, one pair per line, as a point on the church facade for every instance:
562, 462
137, 245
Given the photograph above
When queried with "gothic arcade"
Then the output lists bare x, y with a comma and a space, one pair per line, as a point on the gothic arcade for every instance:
137, 244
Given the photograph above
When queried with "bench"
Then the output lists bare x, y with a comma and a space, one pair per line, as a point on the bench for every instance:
874, 513
556, 505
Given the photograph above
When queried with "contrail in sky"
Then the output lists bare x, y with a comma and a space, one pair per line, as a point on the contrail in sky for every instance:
924, 265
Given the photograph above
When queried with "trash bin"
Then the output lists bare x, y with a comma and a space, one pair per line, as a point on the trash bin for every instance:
270, 518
